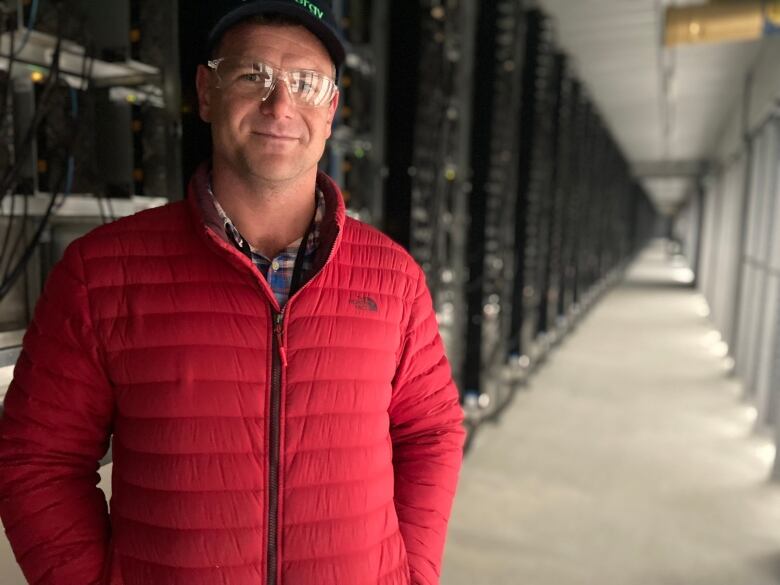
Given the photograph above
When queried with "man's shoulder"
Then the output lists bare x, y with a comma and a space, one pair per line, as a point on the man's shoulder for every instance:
368, 244
162, 221
357, 233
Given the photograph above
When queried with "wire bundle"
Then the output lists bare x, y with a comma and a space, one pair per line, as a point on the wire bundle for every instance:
16, 252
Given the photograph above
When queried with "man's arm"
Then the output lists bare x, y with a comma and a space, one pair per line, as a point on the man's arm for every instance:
427, 433
54, 429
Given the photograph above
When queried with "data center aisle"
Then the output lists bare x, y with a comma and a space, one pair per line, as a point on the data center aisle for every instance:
628, 460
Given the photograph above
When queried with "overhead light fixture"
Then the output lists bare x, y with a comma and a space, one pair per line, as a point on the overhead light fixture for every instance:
722, 21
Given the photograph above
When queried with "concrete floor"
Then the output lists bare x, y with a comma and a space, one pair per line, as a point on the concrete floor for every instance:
629, 459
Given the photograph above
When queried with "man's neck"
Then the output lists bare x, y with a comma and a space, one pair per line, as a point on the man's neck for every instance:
269, 217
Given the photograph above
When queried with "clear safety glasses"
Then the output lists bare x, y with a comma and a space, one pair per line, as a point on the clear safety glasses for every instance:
256, 79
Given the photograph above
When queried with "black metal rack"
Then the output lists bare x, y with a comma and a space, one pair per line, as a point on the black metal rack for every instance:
554, 212
429, 132
494, 151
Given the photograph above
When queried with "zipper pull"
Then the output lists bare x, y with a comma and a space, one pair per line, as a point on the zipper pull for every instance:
278, 330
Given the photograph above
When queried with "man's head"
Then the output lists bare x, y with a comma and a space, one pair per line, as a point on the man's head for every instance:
269, 90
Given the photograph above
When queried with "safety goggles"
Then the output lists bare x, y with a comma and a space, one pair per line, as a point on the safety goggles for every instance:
256, 79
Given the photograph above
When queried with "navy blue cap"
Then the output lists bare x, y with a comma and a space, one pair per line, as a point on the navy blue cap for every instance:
315, 15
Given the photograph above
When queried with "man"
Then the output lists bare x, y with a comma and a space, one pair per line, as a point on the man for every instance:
271, 371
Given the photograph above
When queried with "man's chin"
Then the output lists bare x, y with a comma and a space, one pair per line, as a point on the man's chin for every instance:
272, 171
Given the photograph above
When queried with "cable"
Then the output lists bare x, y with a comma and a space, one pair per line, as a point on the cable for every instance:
7, 88
110, 206
11, 274
25, 39
86, 75
12, 57
9, 179
69, 175
21, 236
9, 229
3, 112
74, 114
10, 279
28, 30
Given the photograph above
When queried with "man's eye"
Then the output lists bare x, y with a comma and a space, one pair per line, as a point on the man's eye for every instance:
305, 82
253, 77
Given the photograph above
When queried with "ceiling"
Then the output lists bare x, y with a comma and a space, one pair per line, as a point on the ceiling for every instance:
666, 107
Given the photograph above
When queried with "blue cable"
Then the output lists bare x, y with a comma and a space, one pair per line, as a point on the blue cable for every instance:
30, 26
69, 178
74, 113
74, 103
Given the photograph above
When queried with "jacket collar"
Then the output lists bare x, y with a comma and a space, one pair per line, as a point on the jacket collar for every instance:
203, 213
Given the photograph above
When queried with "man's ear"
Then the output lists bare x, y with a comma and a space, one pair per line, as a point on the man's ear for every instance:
203, 85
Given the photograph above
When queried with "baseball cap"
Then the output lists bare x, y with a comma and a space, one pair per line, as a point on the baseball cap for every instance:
315, 15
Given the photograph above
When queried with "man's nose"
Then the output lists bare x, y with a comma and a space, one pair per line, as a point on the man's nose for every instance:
279, 103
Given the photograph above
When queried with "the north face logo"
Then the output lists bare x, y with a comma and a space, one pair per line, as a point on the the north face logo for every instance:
364, 304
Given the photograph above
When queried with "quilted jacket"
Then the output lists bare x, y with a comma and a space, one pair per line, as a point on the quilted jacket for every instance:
319, 445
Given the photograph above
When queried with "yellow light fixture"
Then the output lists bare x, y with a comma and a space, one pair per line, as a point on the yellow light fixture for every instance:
36, 76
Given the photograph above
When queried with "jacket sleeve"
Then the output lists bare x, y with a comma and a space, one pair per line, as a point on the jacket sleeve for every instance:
427, 433
54, 430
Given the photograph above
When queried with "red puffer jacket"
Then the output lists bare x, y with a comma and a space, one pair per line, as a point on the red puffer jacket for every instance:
318, 445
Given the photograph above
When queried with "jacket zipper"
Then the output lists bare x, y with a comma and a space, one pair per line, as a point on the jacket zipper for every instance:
279, 361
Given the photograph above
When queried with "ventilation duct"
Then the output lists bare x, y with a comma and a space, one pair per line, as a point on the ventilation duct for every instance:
722, 21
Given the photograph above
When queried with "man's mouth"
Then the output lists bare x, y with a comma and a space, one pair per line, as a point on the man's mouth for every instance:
275, 136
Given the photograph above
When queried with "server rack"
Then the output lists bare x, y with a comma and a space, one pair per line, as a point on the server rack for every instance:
553, 202
571, 214
588, 258
494, 148
565, 185
154, 37
535, 176
548, 224
429, 130
355, 155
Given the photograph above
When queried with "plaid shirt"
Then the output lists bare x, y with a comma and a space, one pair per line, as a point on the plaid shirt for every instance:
278, 271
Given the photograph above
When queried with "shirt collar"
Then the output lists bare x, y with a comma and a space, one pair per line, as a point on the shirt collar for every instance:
231, 231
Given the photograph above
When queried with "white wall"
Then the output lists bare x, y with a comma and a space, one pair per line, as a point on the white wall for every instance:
763, 94
740, 264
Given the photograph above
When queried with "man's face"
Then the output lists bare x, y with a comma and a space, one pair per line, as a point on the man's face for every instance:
275, 141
